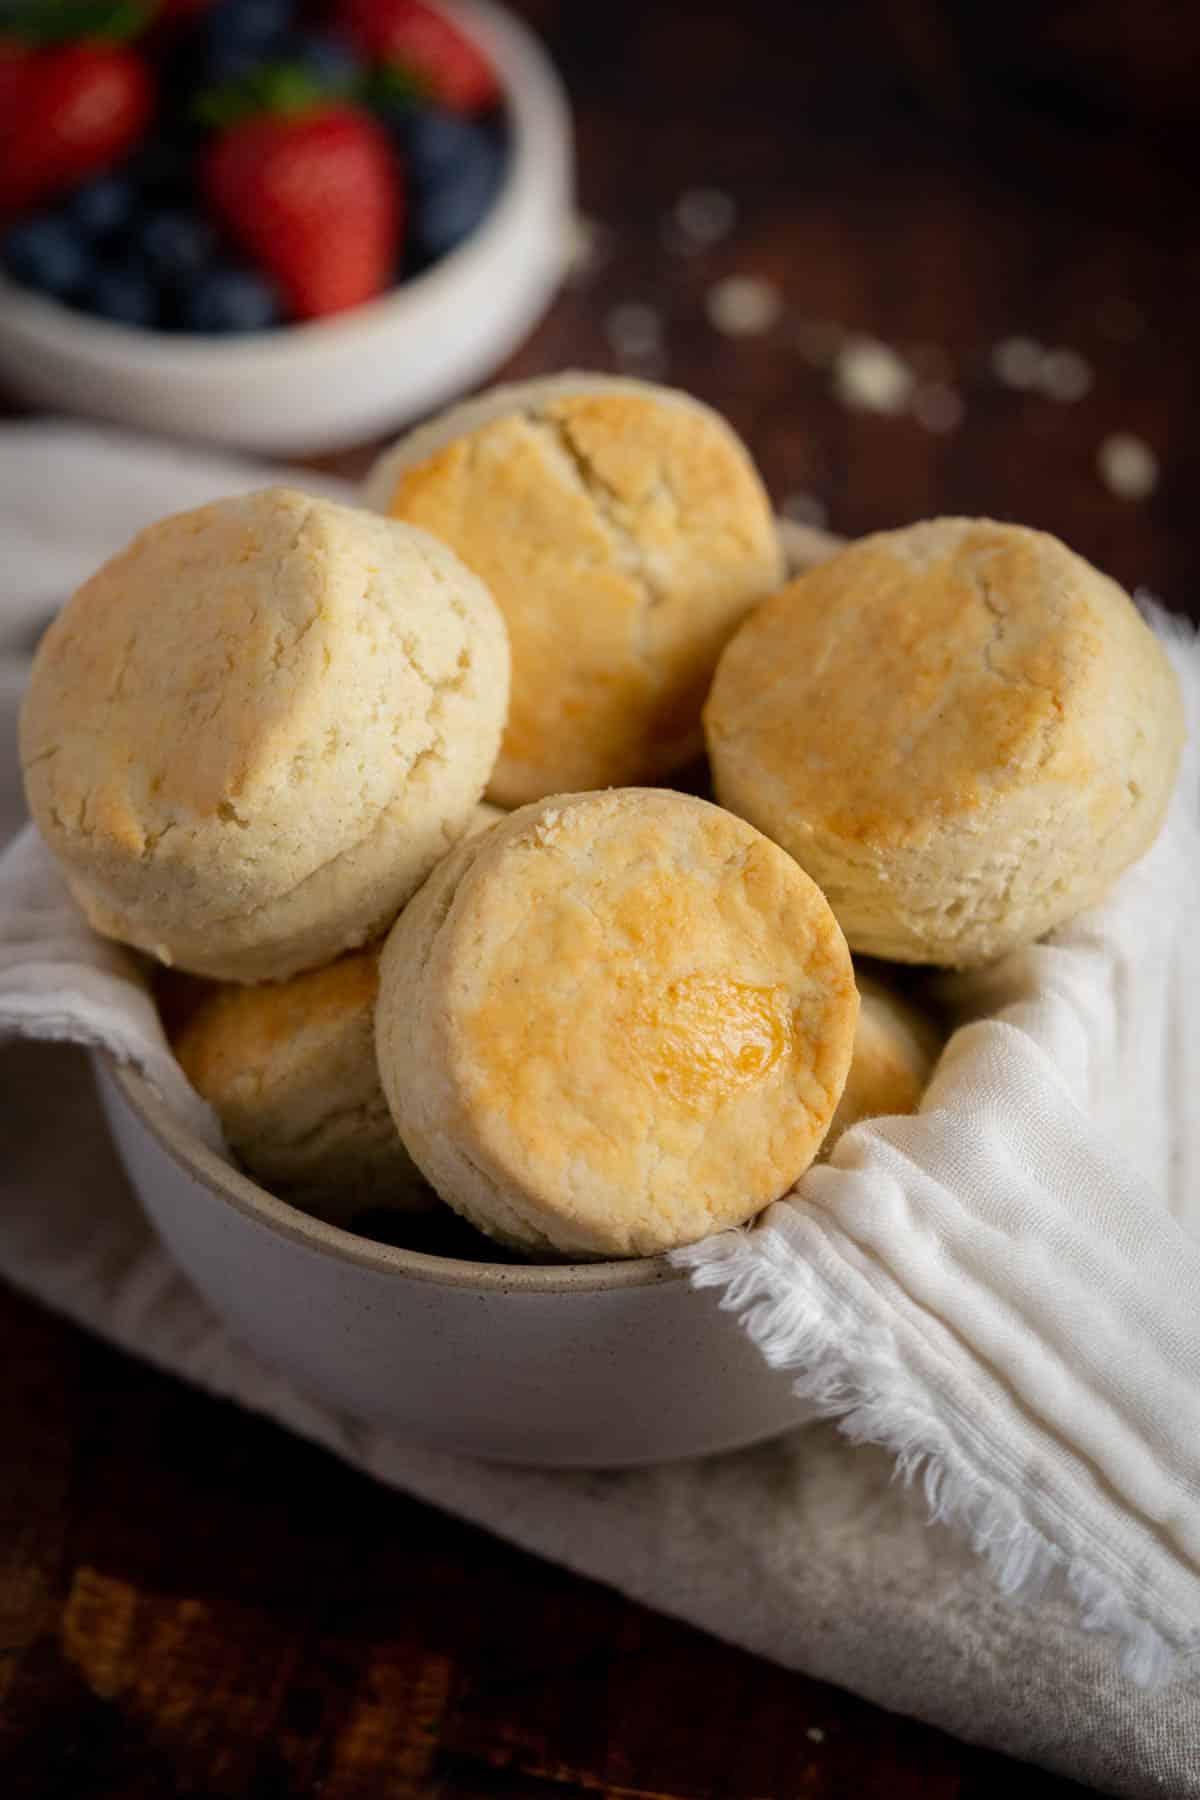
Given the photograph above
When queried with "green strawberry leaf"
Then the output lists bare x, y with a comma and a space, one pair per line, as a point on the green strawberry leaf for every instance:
391, 86
281, 89
275, 88
43, 22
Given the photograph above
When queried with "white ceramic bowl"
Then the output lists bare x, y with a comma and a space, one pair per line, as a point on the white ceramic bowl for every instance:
596, 1365
340, 380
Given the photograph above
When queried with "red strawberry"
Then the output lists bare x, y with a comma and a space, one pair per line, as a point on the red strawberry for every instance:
14, 63
428, 43
68, 113
315, 199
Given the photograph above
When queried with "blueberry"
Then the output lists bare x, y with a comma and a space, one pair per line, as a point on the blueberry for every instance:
327, 59
46, 253
234, 62
176, 244
396, 112
227, 299
456, 168
238, 37
435, 141
101, 206
123, 293
255, 25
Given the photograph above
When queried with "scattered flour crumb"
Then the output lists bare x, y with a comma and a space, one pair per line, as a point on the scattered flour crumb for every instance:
818, 341
1128, 466
1017, 362
635, 333
872, 377
743, 305
634, 329
938, 407
816, 1734
805, 509
702, 217
1065, 375
588, 245
1060, 374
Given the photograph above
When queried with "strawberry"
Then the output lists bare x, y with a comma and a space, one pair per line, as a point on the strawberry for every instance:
314, 197
14, 63
39, 23
69, 112
452, 69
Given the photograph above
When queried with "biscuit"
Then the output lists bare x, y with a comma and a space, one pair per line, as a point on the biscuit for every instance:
289, 1068
484, 817
895, 1048
962, 731
624, 533
614, 1023
251, 735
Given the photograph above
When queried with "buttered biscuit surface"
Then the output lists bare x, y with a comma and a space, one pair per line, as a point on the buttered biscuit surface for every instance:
615, 1023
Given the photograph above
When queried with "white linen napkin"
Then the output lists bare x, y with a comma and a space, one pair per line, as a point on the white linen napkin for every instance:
1004, 1291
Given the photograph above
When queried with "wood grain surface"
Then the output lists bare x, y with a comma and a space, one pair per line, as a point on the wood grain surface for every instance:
191, 1603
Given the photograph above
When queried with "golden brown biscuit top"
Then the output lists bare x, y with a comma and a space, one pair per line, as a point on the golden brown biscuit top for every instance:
916, 675
616, 528
239, 1033
648, 998
895, 1049
176, 667
263, 674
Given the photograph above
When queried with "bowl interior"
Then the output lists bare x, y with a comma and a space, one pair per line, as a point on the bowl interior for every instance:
237, 1190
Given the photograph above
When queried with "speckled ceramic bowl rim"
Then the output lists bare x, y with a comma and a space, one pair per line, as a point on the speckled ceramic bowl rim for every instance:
528, 84
247, 1197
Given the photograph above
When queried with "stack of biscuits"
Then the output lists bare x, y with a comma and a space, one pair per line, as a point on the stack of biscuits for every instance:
386, 791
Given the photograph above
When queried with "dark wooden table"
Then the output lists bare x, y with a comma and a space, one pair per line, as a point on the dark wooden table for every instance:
192, 1603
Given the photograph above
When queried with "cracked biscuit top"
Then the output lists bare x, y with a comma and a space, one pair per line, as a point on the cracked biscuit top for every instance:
962, 730
250, 735
614, 1023
624, 533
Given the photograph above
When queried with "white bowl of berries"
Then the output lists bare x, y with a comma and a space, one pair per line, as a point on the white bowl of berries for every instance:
274, 224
